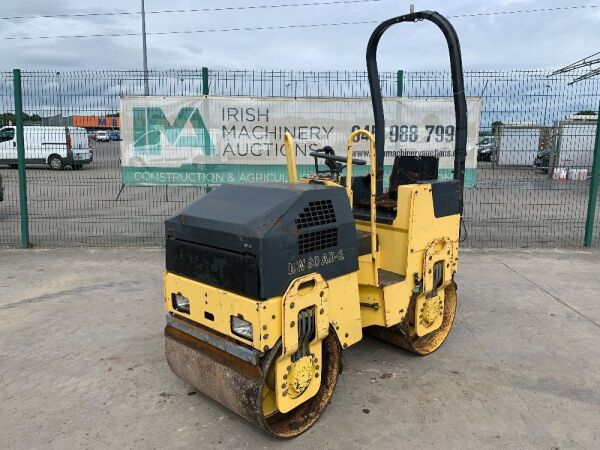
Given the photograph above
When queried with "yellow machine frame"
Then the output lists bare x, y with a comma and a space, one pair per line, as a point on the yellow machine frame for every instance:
411, 246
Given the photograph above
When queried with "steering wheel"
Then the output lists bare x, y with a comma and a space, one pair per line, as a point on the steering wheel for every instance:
336, 158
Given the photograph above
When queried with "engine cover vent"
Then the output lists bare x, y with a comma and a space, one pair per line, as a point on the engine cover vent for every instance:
319, 212
317, 240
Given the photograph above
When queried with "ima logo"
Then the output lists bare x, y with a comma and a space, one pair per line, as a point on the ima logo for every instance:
187, 130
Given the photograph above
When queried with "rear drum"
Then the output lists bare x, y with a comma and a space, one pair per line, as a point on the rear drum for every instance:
399, 335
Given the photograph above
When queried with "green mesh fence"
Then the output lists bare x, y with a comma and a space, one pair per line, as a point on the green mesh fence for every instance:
536, 140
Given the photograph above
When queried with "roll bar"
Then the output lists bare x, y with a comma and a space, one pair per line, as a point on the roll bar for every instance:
460, 102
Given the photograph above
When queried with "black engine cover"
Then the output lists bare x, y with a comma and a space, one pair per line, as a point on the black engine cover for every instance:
254, 239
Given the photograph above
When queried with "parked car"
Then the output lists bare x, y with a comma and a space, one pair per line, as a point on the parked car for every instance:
102, 136
55, 146
114, 135
1, 190
542, 160
485, 149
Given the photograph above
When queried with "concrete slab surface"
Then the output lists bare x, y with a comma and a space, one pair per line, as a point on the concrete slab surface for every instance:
82, 364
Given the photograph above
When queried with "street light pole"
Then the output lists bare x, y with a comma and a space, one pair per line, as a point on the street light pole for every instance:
546, 103
60, 105
545, 133
146, 90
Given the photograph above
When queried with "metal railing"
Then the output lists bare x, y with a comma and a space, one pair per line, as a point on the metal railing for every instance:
513, 204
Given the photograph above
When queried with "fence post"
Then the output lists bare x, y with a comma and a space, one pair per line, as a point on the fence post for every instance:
400, 83
205, 81
21, 159
593, 195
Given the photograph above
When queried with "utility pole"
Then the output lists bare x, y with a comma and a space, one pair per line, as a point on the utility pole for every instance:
146, 90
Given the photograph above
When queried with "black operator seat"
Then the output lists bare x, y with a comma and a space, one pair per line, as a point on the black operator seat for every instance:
406, 170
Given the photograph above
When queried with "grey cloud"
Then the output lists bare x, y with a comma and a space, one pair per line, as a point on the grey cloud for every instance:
536, 40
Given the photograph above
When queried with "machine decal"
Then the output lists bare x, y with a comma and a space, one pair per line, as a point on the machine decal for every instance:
312, 262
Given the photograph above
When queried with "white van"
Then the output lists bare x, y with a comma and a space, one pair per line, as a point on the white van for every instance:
55, 146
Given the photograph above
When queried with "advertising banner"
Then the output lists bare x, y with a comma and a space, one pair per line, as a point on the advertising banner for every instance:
206, 141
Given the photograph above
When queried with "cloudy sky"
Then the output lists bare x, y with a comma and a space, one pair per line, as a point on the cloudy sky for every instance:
526, 40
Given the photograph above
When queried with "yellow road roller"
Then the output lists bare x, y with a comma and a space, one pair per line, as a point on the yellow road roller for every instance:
266, 284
